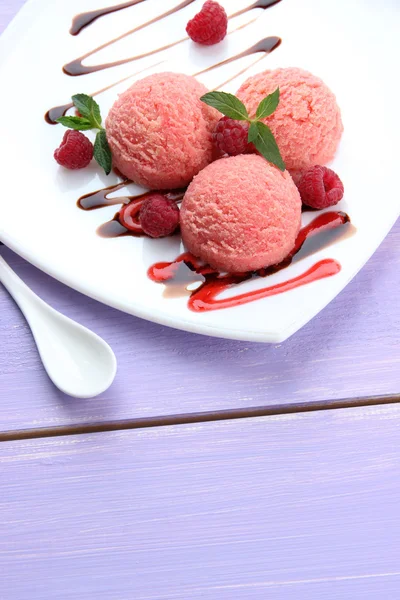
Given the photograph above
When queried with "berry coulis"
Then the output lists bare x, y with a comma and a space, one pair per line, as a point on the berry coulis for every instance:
205, 297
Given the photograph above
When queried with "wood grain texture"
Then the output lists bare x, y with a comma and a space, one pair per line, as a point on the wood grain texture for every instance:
277, 508
350, 350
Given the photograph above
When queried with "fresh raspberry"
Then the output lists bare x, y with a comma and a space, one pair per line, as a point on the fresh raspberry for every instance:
75, 151
209, 26
320, 187
230, 136
159, 216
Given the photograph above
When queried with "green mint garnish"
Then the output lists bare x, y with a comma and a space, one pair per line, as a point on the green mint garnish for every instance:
259, 133
78, 123
253, 132
88, 108
227, 104
266, 144
268, 105
102, 152
90, 119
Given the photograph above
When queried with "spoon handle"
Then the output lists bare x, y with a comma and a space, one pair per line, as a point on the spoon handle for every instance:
21, 293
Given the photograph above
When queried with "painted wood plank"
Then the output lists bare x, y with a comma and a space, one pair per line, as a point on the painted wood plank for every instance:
276, 508
350, 350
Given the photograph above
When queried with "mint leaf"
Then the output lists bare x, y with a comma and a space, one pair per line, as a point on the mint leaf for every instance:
227, 104
88, 108
253, 132
102, 152
268, 105
78, 123
267, 146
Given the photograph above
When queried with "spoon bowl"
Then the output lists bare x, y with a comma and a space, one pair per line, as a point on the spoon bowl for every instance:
79, 362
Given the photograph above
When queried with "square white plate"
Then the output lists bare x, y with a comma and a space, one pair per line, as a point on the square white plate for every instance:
354, 46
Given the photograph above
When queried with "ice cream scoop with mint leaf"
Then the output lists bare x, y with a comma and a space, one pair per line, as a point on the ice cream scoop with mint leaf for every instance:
236, 131
243, 212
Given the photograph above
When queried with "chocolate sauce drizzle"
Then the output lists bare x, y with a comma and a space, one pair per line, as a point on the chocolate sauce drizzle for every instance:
205, 297
84, 19
76, 67
258, 4
265, 45
56, 112
126, 221
101, 198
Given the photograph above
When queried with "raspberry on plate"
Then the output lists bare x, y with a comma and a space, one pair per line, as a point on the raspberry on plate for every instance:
159, 216
230, 136
320, 187
75, 150
209, 26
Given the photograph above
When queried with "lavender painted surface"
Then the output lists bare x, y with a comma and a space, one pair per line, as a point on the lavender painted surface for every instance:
8, 9
298, 507
350, 350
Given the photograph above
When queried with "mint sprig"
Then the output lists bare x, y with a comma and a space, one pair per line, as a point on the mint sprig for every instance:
77, 123
88, 108
268, 105
266, 144
102, 152
259, 133
227, 104
90, 119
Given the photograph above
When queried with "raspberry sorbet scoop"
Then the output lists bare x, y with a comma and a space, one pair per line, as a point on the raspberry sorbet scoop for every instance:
159, 131
241, 214
307, 124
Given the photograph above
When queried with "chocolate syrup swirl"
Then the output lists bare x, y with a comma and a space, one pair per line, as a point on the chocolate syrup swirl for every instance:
76, 67
125, 222
56, 112
84, 19
80, 21
265, 45
258, 4
101, 198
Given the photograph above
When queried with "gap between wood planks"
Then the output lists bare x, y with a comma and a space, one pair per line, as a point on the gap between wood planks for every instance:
200, 417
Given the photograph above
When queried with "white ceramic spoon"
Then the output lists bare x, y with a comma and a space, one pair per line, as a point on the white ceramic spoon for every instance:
77, 360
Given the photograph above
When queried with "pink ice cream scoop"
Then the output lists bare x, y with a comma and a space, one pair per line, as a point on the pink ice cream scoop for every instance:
307, 124
241, 214
160, 132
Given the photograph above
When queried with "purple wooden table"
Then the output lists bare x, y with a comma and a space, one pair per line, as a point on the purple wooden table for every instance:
163, 504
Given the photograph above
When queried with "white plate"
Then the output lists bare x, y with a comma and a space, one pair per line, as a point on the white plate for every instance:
353, 45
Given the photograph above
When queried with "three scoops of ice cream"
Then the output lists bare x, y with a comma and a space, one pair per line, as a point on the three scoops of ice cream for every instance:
239, 213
